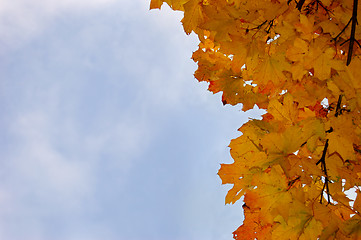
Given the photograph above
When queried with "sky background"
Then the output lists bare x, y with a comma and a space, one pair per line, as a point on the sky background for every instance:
105, 133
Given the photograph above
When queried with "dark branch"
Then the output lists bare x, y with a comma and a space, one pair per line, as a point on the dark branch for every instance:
352, 39
338, 107
313, 6
353, 31
270, 25
300, 4
323, 157
342, 31
323, 153
324, 169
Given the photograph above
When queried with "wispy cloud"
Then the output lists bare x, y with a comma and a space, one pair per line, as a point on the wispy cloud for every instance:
23, 20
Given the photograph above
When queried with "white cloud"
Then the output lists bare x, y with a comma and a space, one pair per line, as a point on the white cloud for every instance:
58, 151
22, 20
42, 170
43, 179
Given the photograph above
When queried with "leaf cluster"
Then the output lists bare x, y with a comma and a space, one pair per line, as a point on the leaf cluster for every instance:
301, 61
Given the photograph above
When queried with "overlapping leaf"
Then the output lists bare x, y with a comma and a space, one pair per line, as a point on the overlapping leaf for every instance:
301, 61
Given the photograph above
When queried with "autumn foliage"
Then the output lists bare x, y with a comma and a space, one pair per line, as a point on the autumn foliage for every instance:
301, 61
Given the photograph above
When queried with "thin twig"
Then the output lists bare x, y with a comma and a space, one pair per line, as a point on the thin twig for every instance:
311, 7
323, 157
338, 107
324, 169
343, 30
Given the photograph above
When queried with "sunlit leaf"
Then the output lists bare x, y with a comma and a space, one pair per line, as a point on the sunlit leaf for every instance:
301, 62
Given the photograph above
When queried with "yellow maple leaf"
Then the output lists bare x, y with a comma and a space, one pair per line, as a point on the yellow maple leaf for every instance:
280, 144
342, 137
244, 51
297, 51
283, 110
230, 174
300, 225
283, 143
326, 216
320, 61
352, 227
353, 72
330, 27
334, 163
306, 27
193, 15
271, 69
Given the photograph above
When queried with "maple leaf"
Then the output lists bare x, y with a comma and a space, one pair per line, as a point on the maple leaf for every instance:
352, 227
325, 215
297, 51
299, 226
321, 61
244, 51
300, 61
193, 15
285, 110
342, 137
271, 69
252, 226
229, 174
306, 27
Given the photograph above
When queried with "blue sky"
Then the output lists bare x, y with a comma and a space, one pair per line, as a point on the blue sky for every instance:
105, 134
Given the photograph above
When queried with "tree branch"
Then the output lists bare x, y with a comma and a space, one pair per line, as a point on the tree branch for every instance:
323, 157
300, 4
324, 169
343, 30
353, 32
338, 107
